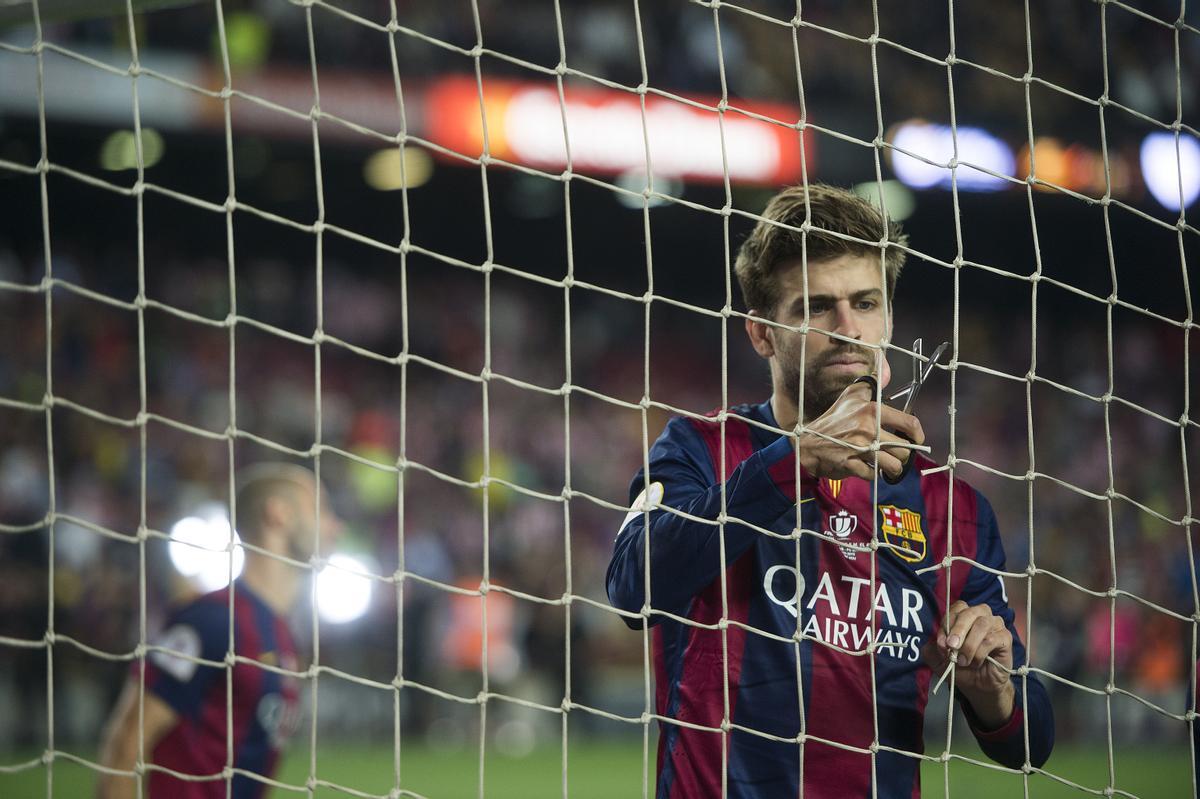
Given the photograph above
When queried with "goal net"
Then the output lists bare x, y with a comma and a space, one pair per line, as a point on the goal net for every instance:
464, 261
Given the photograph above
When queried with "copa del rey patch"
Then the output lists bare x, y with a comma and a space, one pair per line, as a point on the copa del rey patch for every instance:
901, 528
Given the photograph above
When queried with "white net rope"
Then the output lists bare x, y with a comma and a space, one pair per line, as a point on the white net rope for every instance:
321, 342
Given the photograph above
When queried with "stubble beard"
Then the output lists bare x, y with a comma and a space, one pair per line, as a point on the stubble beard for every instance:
821, 388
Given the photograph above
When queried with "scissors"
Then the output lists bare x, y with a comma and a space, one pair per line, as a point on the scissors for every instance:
910, 391
920, 374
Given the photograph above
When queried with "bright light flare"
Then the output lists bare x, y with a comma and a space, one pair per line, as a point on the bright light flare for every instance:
343, 589
1164, 171
119, 150
935, 143
199, 550
382, 169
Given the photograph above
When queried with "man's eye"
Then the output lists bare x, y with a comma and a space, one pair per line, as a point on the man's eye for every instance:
866, 305
817, 308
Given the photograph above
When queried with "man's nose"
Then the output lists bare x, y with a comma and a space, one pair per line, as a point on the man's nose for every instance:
846, 324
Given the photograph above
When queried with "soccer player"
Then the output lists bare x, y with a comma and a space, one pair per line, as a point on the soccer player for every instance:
875, 627
184, 727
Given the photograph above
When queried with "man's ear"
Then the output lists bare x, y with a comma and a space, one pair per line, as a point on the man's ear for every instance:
762, 335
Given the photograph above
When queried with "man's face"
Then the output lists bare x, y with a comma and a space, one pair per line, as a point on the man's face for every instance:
303, 532
845, 296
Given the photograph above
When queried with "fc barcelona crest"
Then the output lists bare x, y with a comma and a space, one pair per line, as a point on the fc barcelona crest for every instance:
902, 529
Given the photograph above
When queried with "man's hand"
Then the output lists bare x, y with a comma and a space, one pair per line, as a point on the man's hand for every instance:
851, 420
976, 634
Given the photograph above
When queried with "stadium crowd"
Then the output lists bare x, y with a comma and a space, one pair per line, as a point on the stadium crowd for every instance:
436, 416
367, 408
1070, 48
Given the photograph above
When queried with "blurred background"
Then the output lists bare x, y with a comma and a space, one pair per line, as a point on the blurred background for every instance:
1097, 200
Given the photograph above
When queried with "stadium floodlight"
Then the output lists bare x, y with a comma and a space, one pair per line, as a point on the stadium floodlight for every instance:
343, 589
1167, 171
199, 549
635, 180
382, 170
890, 194
934, 147
119, 150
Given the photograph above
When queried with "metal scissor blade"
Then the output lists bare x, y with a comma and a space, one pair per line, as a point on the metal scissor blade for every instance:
933, 359
922, 374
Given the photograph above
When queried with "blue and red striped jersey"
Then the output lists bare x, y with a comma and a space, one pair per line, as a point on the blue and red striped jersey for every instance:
747, 664
264, 703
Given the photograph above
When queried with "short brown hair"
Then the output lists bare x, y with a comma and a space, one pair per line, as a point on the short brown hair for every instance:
832, 209
259, 483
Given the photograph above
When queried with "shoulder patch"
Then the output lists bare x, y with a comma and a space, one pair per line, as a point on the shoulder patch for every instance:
647, 500
184, 642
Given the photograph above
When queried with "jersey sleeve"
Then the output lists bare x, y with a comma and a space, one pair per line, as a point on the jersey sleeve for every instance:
198, 630
1006, 745
684, 539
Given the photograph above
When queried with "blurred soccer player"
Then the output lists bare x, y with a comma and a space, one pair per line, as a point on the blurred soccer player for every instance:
184, 726
894, 600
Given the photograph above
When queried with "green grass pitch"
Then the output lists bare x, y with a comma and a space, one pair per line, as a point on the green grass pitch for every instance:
610, 771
